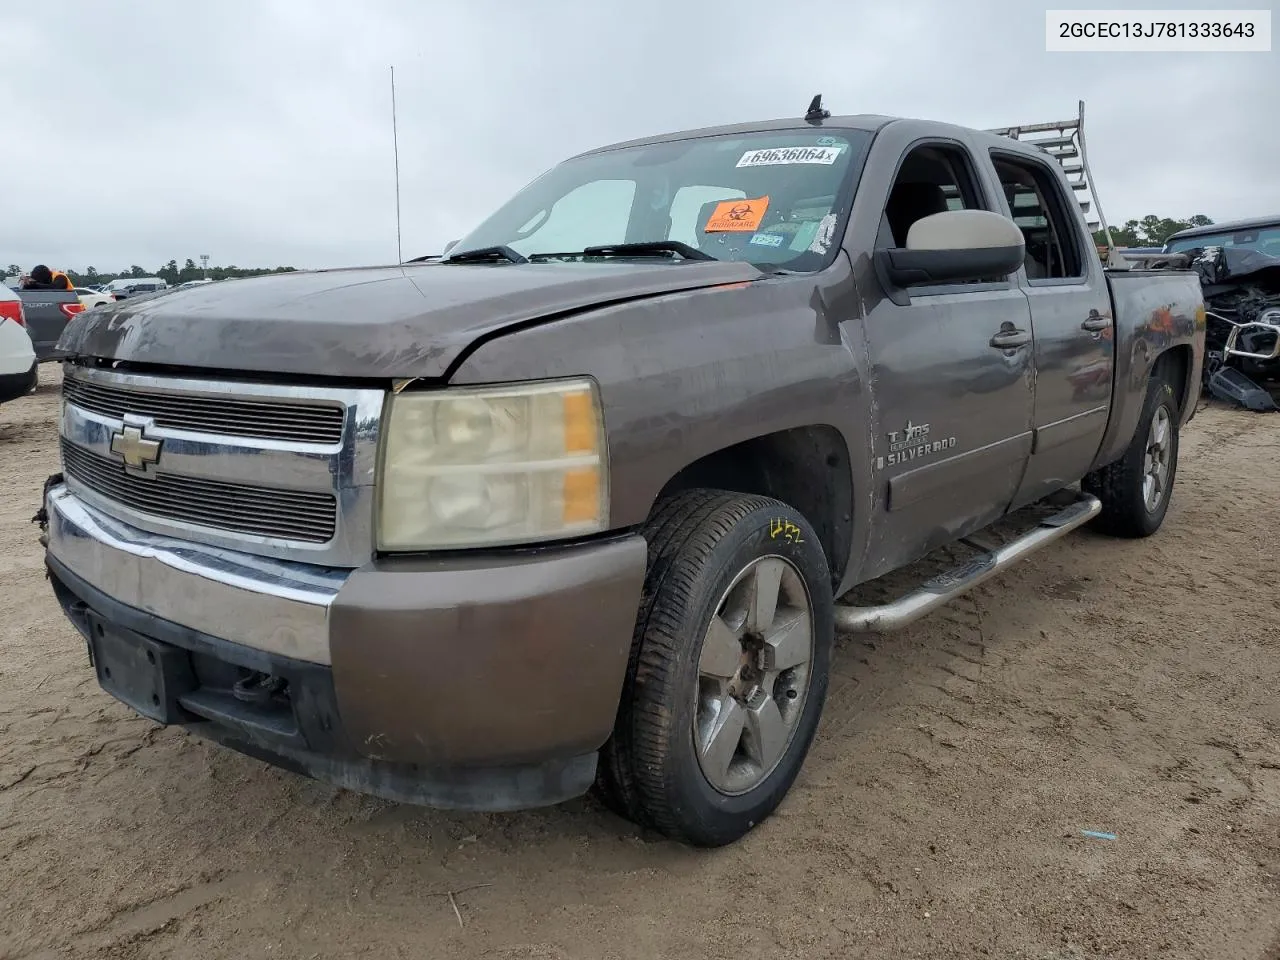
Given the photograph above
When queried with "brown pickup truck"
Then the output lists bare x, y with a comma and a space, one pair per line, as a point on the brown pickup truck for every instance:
574, 503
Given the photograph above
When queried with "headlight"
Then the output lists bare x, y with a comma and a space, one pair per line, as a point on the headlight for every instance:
464, 467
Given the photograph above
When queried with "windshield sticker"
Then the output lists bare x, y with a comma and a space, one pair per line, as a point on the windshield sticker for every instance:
737, 216
768, 239
826, 233
781, 155
804, 236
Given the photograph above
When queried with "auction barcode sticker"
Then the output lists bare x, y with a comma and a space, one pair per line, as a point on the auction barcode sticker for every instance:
1158, 31
777, 155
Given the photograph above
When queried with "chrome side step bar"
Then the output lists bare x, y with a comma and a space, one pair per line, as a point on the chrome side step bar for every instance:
947, 586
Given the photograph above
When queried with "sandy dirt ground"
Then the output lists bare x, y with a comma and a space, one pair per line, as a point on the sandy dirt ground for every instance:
1131, 688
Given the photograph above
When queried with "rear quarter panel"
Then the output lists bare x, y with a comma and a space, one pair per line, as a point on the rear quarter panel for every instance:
1153, 312
16, 352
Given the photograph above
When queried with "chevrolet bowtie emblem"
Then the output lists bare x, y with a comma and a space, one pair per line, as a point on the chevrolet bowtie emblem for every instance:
136, 450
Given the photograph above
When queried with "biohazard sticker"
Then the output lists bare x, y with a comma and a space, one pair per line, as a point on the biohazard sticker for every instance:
737, 216
782, 155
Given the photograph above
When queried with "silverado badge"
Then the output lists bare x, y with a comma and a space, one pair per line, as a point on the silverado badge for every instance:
911, 443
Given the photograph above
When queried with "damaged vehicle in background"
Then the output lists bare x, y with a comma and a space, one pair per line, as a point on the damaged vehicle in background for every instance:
1238, 264
1239, 267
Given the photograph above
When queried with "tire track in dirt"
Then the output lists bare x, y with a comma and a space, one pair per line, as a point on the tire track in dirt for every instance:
128, 926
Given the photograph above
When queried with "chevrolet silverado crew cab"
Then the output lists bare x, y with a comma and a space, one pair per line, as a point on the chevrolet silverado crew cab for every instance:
574, 503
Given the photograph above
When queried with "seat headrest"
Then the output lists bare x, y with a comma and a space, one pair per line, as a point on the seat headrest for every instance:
911, 201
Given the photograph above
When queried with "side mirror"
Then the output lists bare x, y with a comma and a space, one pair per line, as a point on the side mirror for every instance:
954, 245
449, 246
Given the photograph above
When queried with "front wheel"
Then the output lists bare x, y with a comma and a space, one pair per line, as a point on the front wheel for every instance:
1136, 489
729, 667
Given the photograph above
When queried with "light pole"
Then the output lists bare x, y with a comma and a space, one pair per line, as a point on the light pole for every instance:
204, 265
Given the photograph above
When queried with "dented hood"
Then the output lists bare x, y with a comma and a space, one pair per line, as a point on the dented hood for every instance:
403, 321
1223, 269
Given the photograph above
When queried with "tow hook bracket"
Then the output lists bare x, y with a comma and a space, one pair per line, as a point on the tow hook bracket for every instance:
258, 687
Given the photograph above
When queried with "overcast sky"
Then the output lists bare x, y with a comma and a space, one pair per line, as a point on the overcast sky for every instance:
259, 131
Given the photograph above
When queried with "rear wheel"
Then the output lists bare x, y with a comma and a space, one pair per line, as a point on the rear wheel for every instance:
729, 668
1136, 489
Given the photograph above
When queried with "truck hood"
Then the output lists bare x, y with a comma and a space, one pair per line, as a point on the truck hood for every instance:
401, 321
1227, 269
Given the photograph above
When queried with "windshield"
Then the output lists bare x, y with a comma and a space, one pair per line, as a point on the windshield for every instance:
1264, 240
777, 198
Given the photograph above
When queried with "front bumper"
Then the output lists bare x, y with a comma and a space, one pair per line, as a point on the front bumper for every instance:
15, 385
473, 682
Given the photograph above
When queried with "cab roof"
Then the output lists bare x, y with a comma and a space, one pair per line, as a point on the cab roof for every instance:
1228, 226
870, 122
865, 121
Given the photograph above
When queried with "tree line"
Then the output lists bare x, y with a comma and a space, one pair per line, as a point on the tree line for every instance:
1150, 231
171, 273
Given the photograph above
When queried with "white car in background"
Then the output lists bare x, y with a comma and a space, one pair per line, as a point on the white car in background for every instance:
17, 355
92, 298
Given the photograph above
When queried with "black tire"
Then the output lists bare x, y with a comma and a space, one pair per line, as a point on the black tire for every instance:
615, 783
699, 542
1120, 485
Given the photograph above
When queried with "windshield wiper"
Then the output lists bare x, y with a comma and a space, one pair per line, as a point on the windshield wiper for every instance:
647, 248
499, 252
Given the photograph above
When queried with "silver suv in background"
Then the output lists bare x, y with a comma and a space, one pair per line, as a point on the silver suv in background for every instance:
127, 287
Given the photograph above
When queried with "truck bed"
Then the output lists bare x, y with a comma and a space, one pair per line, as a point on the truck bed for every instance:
48, 312
1151, 309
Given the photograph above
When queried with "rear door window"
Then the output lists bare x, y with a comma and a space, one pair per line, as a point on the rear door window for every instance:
1038, 207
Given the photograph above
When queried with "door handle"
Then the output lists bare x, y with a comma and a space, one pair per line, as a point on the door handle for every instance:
1011, 339
1094, 323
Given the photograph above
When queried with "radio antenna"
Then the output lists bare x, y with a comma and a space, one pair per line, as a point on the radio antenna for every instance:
395, 145
816, 112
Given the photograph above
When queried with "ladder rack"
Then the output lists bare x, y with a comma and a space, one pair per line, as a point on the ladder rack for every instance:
1064, 141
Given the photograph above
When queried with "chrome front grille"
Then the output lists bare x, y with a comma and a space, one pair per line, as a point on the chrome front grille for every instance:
271, 420
238, 507
269, 469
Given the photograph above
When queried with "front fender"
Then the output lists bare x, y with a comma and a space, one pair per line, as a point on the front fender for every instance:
688, 374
